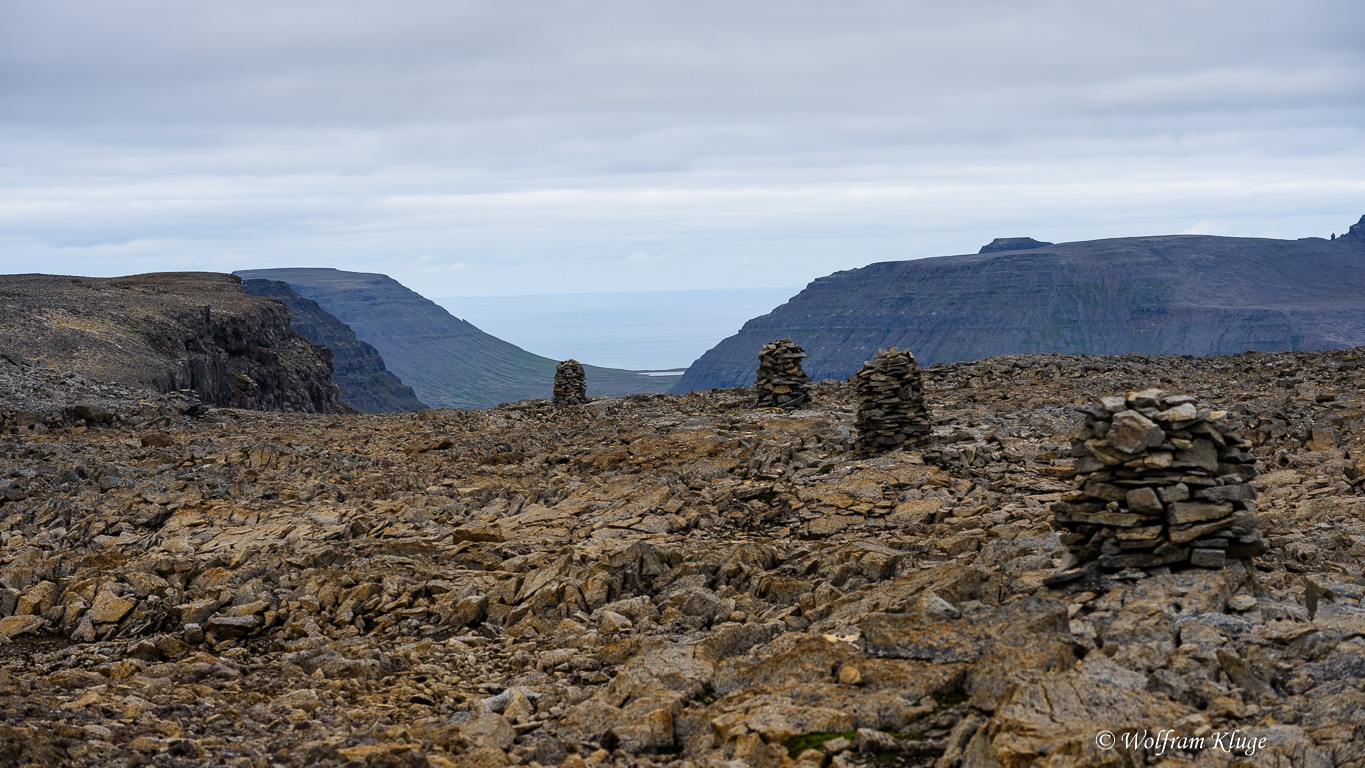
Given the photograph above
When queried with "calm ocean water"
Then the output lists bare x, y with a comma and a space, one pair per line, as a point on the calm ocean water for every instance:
647, 330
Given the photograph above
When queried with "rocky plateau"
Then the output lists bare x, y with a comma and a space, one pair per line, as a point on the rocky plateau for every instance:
167, 332
665, 580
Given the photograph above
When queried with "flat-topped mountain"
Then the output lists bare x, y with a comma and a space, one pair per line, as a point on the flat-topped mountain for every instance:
1179, 294
357, 368
447, 361
169, 331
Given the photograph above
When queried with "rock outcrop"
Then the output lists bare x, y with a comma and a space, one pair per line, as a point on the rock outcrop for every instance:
1181, 294
448, 362
169, 331
570, 386
1357, 230
780, 382
366, 385
1000, 244
671, 581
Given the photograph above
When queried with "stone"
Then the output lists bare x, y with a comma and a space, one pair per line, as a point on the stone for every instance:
1181, 412
489, 730
232, 626
870, 740
1197, 511
1144, 501
109, 608
37, 600
14, 626
1131, 432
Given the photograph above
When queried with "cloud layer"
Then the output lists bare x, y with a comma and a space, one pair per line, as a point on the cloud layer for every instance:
485, 148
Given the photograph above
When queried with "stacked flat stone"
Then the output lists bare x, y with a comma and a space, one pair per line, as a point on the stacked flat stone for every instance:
1160, 483
571, 387
890, 395
781, 383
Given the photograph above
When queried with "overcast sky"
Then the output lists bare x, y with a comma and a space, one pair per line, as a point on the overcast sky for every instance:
471, 148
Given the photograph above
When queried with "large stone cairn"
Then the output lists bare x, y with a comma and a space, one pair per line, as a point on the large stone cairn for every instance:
781, 383
891, 411
1160, 483
571, 387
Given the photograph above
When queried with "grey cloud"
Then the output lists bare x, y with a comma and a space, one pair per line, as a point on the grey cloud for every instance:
501, 134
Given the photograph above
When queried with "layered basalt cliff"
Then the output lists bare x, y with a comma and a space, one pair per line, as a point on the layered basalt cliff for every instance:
169, 331
1180, 294
358, 369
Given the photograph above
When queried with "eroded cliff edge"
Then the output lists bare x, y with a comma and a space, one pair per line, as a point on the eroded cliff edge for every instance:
169, 331
366, 383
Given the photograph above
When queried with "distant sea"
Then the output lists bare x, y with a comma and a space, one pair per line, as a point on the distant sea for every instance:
646, 330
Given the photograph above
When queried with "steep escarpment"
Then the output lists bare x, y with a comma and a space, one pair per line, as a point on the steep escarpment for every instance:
1183, 294
447, 361
357, 368
169, 331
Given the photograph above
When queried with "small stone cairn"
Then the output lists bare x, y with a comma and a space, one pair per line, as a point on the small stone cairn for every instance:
891, 411
781, 383
1160, 483
571, 387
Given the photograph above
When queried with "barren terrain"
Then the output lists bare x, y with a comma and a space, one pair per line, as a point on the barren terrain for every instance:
663, 580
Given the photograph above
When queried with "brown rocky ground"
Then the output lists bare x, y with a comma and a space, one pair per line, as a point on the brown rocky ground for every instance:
666, 580
169, 331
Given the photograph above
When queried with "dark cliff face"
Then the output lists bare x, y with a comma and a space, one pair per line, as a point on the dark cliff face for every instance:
447, 361
1185, 294
169, 331
357, 368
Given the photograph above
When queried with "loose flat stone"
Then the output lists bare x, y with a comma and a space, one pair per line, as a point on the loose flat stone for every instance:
110, 608
1147, 398
232, 626
1182, 535
1235, 492
1130, 432
13, 626
1182, 412
1203, 455
1182, 512
1145, 559
1145, 533
1116, 519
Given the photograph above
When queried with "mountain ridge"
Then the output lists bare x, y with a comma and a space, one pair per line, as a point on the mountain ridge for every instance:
358, 369
1166, 294
447, 361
